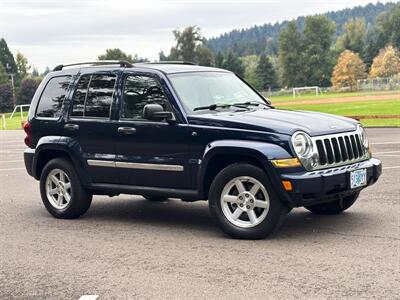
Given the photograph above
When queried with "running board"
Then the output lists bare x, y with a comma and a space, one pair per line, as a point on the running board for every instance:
188, 195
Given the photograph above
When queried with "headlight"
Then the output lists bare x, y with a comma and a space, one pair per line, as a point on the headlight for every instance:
302, 145
363, 135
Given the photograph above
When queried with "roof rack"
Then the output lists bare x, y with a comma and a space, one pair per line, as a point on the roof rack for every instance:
122, 63
171, 62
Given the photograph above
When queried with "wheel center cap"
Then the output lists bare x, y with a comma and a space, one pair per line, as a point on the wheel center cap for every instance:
246, 201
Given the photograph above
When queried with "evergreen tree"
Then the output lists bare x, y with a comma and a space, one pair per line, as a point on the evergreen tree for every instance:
27, 89
4, 77
7, 59
318, 58
290, 48
219, 60
354, 36
266, 73
204, 56
233, 63
6, 98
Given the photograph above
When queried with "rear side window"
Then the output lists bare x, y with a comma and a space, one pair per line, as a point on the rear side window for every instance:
53, 96
93, 96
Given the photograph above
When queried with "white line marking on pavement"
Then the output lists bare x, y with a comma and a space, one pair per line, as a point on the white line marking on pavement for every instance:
387, 152
89, 297
12, 169
395, 167
383, 155
10, 161
384, 143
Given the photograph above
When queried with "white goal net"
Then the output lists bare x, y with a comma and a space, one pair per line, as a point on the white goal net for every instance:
304, 89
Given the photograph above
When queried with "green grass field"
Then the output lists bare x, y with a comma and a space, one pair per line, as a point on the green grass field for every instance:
356, 108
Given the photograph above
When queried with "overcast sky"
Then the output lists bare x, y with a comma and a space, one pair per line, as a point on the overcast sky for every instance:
50, 32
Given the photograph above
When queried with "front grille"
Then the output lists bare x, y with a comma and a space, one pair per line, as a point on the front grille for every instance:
339, 149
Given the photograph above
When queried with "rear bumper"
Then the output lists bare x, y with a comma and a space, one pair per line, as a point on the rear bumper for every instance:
29, 155
330, 184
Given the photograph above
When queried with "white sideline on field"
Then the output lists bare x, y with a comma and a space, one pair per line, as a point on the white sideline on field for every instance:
89, 297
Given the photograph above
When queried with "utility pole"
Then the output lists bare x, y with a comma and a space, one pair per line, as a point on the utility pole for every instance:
13, 90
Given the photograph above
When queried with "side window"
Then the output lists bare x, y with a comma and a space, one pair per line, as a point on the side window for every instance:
93, 96
52, 98
140, 90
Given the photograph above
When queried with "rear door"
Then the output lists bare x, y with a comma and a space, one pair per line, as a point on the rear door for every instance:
90, 124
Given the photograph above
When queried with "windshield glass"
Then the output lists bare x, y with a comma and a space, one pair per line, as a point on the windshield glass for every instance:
202, 89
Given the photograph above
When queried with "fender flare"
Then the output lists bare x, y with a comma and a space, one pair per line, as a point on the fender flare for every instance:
69, 146
261, 151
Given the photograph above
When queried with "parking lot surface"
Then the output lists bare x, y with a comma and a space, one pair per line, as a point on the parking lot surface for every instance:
128, 248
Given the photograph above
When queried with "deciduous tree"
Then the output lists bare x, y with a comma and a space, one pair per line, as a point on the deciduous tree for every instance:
348, 70
27, 89
354, 36
118, 54
386, 63
22, 64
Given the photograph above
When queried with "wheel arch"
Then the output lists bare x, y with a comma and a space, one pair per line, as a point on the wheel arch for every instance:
220, 154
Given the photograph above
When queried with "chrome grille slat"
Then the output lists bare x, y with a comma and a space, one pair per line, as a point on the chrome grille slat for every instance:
339, 149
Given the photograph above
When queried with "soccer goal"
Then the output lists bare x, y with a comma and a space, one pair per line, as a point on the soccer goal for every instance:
298, 90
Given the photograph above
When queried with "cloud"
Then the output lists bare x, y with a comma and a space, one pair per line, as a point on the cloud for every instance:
53, 32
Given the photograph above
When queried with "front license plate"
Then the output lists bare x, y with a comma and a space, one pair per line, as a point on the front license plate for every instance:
358, 178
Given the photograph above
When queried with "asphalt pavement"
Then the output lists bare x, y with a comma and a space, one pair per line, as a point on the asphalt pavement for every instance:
128, 248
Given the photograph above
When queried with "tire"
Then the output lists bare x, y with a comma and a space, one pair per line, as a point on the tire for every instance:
224, 202
156, 198
65, 182
335, 207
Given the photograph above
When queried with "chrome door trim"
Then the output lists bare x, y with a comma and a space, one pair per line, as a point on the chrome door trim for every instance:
159, 167
101, 163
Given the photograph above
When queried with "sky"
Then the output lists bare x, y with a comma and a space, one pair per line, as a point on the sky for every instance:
52, 32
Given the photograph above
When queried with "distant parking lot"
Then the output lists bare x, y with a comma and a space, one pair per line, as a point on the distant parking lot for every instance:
127, 247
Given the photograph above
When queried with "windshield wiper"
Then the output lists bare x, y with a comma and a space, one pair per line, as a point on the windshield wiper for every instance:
212, 107
248, 103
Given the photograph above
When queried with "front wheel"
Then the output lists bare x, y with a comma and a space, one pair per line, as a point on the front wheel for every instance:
243, 202
335, 207
61, 190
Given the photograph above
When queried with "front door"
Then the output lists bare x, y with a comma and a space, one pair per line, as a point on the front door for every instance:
149, 153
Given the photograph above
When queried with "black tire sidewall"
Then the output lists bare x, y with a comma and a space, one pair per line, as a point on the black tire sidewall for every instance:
80, 199
276, 208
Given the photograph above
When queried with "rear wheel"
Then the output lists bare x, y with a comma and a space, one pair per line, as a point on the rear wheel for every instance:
61, 190
335, 207
243, 202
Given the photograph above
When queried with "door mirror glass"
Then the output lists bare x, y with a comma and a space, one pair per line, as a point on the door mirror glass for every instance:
155, 112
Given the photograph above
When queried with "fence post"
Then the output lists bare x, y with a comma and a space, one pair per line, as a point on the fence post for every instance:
3, 117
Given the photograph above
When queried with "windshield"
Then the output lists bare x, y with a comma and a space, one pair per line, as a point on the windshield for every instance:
203, 89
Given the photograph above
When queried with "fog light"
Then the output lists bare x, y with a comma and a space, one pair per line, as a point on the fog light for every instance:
286, 163
287, 185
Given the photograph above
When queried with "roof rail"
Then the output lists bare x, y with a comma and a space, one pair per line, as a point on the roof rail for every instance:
122, 63
171, 62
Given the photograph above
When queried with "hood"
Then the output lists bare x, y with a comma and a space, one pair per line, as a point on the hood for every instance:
277, 121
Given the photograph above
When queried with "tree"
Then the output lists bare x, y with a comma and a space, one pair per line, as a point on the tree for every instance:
118, 54
250, 75
27, 89
22, 64
219, 60
290, 49
187, 41
354, 36
35, 72
6, 96
266, 73
386, 63
6, 58
46, 71
318, 57
348, 70
204, 56
233, 63
3, 74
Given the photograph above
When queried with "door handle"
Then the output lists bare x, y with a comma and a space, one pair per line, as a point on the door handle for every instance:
126, 130
71, 127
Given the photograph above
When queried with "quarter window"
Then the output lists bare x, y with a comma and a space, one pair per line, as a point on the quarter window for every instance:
140, 90
93, 96
53, 96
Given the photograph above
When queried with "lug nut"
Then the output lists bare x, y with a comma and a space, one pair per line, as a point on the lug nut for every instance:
240, 198
241, 205
251, 200
247, 195
248, 206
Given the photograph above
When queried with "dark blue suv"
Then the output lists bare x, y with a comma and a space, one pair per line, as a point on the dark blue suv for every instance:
189, 132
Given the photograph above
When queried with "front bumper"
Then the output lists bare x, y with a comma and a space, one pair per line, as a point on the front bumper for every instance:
327, 185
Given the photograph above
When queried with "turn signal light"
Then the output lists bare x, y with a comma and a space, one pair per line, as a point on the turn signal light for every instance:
286, 163
287, 185
28, 131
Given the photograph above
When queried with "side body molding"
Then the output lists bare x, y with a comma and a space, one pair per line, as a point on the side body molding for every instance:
261, 151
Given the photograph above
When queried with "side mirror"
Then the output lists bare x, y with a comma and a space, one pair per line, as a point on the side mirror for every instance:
155, 112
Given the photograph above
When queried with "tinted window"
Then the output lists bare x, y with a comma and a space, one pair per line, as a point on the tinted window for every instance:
53, 97
96, 100
139, 91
